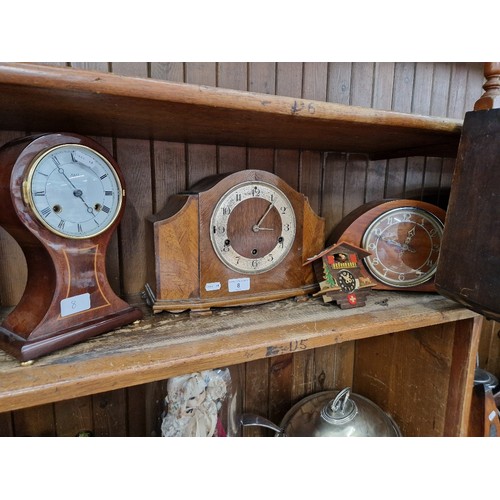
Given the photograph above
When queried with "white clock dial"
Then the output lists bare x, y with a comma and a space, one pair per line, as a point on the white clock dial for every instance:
74, 191
253, 227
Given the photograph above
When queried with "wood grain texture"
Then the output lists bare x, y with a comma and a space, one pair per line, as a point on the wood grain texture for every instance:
174, 343
48, 98
474, 232
171, 171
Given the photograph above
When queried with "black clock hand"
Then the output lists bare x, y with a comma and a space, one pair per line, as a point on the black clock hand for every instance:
78, 193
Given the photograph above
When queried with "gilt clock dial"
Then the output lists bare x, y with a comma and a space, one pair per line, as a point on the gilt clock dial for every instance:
253, 227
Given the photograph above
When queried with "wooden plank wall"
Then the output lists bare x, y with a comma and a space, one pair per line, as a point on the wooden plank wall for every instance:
335, 183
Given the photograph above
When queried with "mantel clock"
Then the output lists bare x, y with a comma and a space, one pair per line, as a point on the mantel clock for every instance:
403, 238
62, 196
232, 240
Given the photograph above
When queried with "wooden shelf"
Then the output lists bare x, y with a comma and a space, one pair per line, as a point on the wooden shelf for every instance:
166, 345
53, 99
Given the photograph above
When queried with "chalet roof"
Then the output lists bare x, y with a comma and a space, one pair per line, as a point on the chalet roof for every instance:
339, 245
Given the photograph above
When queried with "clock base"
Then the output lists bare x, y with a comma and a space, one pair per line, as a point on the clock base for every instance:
204, 306
28, 350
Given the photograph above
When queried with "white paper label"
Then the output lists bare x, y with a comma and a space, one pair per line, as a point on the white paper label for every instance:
75, 304
239, 285
210, 287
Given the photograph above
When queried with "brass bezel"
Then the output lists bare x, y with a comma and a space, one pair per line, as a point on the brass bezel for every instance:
28, 198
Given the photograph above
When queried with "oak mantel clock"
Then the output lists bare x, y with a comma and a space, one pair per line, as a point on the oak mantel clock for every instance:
62, 196
403, 237
232, 240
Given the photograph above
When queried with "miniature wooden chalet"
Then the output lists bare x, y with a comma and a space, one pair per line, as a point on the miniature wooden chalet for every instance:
340, 277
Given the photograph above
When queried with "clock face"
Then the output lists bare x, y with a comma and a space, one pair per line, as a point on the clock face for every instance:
346, 281
252, 227
404, 243
73, 191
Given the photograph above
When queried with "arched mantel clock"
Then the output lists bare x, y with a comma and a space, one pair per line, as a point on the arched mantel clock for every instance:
62, 196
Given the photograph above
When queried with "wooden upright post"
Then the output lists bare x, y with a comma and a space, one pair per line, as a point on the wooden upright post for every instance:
491, 97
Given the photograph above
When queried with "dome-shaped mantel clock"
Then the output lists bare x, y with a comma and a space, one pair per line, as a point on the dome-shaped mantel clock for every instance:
232, 240
62, 197
403, 237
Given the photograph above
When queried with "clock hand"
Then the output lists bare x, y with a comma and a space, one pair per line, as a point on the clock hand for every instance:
257, 227
410, 235
78, 193
393, 242
404, 247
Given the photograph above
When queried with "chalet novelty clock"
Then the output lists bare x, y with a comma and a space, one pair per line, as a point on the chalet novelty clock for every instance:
340, 277
403, 238
62, 196
232, 240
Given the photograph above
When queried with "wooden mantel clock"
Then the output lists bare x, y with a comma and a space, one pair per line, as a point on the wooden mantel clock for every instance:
403, 237
232, 240
62, 196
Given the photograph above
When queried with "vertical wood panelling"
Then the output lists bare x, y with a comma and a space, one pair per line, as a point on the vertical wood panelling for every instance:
74, 416
232, 76
384, 375
314, 87
404, 75
110, 413
168, 158
489, 347
335, 183
362, 78
339, 82
282, 374
381, 99
255, 379
421, 102
35, 421
133, 157
202, 159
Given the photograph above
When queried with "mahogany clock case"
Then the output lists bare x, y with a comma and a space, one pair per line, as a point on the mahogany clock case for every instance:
58, 267
188, 274
353, 228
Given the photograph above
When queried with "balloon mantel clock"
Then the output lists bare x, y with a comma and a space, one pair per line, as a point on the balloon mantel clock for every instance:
62, 197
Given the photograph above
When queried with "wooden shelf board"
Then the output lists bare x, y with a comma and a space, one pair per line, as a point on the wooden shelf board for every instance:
55, 99
166, 345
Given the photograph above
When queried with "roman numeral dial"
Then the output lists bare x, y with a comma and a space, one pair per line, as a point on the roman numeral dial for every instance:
73, 191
